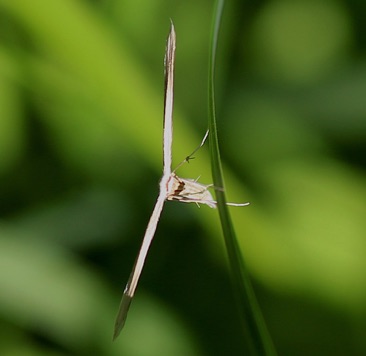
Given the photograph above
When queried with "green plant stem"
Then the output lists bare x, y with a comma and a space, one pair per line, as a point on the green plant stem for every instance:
255, 330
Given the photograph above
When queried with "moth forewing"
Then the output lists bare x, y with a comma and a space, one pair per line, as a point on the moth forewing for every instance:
168, 101
140, 260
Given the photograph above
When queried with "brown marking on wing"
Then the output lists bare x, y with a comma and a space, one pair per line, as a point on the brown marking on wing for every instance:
180, 188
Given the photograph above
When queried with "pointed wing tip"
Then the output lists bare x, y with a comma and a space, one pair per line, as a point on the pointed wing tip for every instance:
122, 315
115, 334
118, 328
172, 29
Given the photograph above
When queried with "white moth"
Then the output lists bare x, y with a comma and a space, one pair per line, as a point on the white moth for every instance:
172, 187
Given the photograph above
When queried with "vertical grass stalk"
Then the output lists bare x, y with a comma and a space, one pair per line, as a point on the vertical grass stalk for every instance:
256, 334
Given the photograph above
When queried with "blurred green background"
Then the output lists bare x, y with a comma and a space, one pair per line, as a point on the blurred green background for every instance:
81, 102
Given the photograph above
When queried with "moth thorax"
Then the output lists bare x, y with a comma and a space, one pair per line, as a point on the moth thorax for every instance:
174, 186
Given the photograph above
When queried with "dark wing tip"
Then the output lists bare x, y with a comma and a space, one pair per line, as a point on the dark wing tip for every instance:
122, 315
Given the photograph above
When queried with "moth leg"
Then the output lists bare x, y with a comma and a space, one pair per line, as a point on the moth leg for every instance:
189, 157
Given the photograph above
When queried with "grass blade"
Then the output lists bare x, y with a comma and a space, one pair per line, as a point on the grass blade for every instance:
255, 330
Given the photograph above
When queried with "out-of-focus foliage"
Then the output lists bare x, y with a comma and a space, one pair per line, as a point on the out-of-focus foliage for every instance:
80, 157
